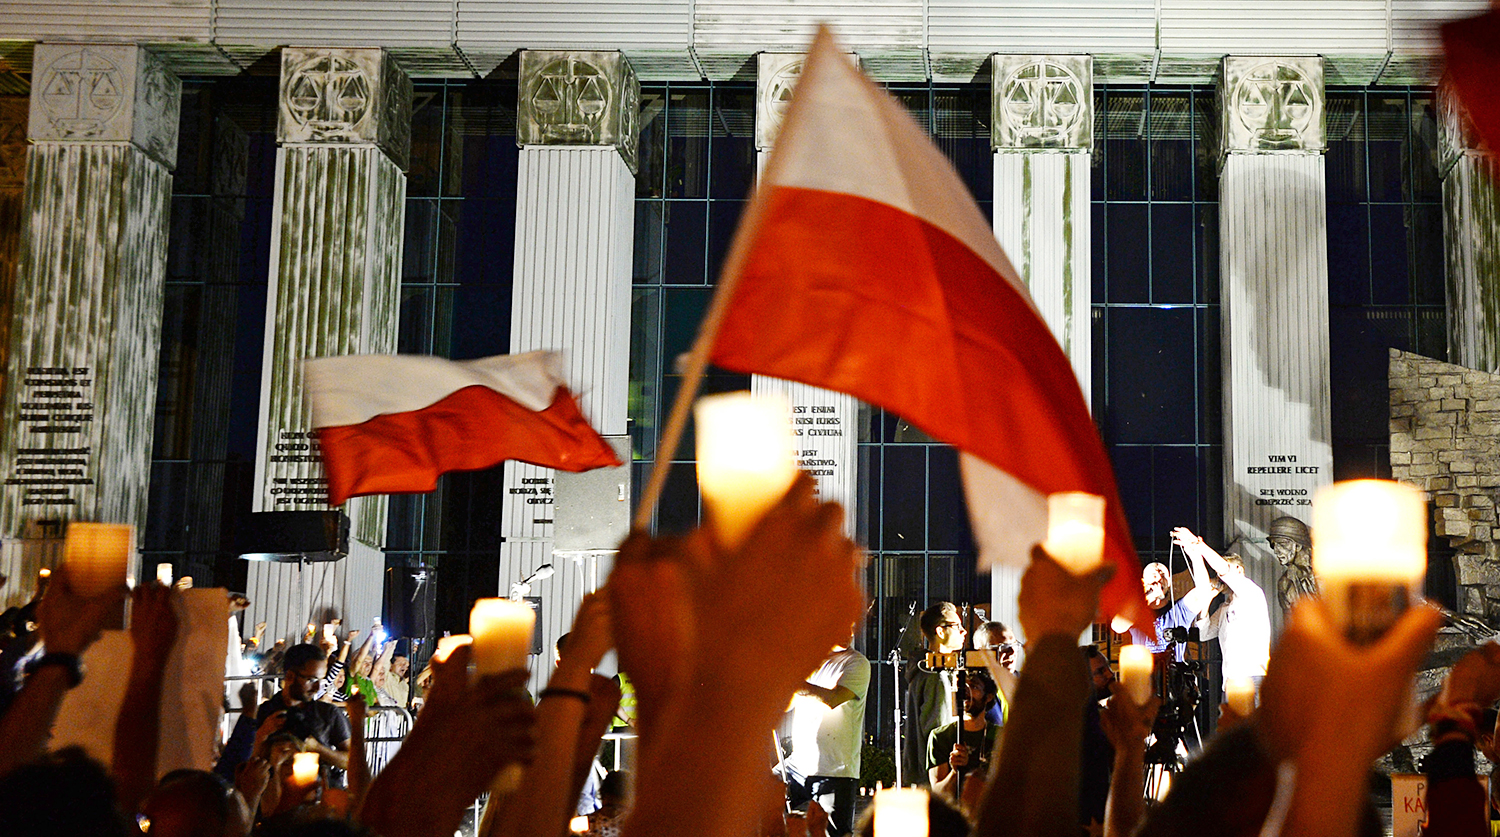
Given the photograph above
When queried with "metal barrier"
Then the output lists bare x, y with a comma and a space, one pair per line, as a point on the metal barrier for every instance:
385, 728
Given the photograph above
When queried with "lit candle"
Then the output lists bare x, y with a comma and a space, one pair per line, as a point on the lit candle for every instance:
1075, 530
901, 812
1135, 672
445, 646
1120, 625
578, 825
1369, 552
328, 631
304, 768
164, 575
1239, 693
745, 459
98, 556
502, 634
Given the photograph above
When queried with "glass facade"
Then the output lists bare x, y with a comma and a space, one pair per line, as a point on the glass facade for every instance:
1156, 365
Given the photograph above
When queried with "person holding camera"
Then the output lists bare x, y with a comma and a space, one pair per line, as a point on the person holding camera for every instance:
322, 726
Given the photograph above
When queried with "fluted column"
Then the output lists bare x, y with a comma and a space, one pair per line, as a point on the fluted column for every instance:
825, 423
338, 220
1042, 134
1274, 296
1471, 239
86, 324
575, 193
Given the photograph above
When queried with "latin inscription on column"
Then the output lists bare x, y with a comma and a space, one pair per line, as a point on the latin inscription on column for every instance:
54, 456
1281, 481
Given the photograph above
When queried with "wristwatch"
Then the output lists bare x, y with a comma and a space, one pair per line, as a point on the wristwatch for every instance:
70, 662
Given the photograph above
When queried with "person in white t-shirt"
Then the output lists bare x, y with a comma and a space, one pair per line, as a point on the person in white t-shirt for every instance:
1242, 623
827, 731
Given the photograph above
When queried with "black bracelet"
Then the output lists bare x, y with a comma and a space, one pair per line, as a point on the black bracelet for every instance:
551, 691
70, 662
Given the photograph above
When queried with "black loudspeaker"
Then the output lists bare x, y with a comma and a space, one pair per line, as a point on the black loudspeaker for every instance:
293, 536
411, 601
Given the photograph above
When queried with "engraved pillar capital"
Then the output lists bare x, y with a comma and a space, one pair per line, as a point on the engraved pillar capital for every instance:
1042, 102
345, 96
1271, 104
105, 93
573, 97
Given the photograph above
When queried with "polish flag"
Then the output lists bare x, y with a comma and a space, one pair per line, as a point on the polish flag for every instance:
1472, 47
390, 424
864, 266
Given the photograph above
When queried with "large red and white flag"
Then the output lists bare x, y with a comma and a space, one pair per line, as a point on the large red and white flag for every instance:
1472, 47
864, 266
390, 424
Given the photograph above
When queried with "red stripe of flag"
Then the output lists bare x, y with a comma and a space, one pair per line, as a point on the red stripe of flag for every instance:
475, 427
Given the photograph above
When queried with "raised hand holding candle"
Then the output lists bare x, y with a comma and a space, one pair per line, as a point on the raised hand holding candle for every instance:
745, 459
164, 575
98, 556
901, 812
1136, 663
502, 634
445, 646
1369, 552
1239, 693
1075, 530
304, 769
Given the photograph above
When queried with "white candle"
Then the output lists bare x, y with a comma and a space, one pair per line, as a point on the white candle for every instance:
1075, 530
745, 459
1239, 693
328, 631
901, 812
578, 825
502, 634
445, 646
304, 768
1368, 531
1120, 624
1135, 672
164, 575
98, 556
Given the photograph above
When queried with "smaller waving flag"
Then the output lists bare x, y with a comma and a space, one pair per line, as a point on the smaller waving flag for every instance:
391, 424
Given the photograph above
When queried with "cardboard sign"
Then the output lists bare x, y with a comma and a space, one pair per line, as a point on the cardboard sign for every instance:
192, 691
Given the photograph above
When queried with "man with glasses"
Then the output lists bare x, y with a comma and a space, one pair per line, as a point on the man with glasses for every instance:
323, 727
930, 691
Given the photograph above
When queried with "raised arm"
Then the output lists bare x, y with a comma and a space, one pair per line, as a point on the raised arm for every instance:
69, 624
153, 631
1198, 553
1033, 787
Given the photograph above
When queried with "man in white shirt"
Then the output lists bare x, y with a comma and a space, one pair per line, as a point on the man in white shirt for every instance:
827, 732
1242, 623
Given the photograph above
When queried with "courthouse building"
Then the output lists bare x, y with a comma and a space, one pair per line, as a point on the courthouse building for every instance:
1229, 212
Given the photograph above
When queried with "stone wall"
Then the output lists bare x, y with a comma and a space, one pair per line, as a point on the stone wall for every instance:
1445, 438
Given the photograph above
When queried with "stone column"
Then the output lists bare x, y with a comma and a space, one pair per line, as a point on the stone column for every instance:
1274, 297
86, 322
826, 423
575, 225
1471, 239
344, 130
1042, 134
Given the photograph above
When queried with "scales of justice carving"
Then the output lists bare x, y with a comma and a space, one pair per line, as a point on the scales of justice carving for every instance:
82, 93
329, 96
1273, 104
579, 98
1043, 103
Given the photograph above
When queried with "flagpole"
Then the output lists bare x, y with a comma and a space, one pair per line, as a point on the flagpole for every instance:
697, 362
729, 277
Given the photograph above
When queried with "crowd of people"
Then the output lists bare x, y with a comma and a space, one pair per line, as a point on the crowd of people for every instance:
717, 644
